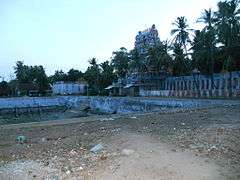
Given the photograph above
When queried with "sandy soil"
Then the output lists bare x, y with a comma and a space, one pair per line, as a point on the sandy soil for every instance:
197, 144
146, 158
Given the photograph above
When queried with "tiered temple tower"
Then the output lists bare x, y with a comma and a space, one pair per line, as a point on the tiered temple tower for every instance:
146, 39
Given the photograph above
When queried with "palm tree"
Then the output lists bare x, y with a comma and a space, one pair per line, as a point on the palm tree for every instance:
209, 36
159, 57
120, 61
208, 19
199, 52
228, 25
137, 63
93, 62
181, 65
181, 32
92, 75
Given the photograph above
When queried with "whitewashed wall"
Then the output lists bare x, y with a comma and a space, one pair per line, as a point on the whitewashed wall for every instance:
200, 86
68, 88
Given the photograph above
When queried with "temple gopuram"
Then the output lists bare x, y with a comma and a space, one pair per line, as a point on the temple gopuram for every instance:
146, 39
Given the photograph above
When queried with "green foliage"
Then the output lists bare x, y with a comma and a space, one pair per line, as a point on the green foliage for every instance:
136, 62
99, 76
159, 57
228, 30
120, 61
4, 88
74, 75
92, 76
23, 72
107, 76
181, 32
181, 64
34, 75
204, 44
58, 76
40, 78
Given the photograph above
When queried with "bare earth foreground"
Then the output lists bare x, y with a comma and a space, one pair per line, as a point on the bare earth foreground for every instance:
191, 145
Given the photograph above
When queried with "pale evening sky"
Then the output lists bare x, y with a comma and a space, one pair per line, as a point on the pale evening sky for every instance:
64, 34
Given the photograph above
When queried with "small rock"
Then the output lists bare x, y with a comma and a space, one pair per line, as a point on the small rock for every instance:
133, 117
173, 150
67, 169
73, 152
82, 149
127, 152
46, 163
21, 139
68, 172
106, 119
103, 157
213, 148
54, 177
55, 157
96, 148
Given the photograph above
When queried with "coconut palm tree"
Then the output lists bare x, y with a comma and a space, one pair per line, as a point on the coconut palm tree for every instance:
120, 61
199, 52
137, 63
180, 65
207, 18
228, 25
209, 36
181, 32
159, 57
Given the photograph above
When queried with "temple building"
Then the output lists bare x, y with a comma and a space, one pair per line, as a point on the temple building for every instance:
133, 82
152, 83
146, 39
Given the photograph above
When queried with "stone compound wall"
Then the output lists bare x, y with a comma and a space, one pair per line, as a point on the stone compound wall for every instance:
125, 105
120, 105
198, 86
24, 102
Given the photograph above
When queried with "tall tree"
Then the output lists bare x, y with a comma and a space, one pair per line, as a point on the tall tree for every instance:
181, 64
136, 62
209, 40
228, 25
34, 75
200, 53
59, 75
120, 61
40, 78
181, 32
4, 88
107, 75
22, 72
74, 75
159, 57
92, 76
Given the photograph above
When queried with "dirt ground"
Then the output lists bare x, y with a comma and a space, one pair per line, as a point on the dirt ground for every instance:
196, 144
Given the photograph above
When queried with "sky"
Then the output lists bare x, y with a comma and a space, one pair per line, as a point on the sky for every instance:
65, 34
